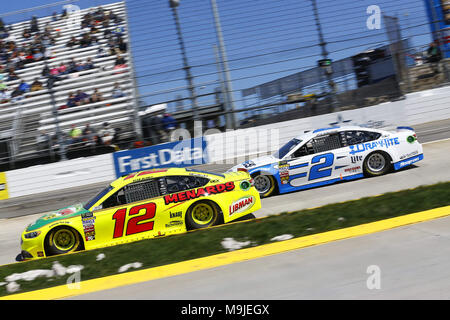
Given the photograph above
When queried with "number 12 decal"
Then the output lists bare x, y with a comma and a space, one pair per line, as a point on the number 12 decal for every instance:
319, 170
133, 225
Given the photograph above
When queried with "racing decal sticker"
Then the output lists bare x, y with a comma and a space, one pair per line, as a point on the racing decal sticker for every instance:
3, 187
407, 162
409, 155
385, 143
174, 223
353, 169
241, 205
176, 214
196, 193
356, 159
88, 227
283, 169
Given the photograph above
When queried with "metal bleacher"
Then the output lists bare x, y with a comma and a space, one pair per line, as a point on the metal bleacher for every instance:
26, 118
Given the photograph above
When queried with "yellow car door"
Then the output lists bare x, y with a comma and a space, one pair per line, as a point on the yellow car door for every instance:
128, 214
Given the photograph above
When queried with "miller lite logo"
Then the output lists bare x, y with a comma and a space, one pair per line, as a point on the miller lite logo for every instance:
241, 205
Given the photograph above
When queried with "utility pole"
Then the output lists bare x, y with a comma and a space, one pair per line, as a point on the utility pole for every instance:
193, 97
61, 142
323, 45
231, 122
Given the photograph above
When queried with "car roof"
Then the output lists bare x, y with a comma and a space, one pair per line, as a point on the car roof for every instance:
310, 134
157, 173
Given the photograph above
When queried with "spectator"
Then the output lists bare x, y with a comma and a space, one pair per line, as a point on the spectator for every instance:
37, 55
107, 134
169, 123
101, 53
434, 56
54, 71
62, 69
54, 16
26, 33
36, 85
85, 41
72, 42
24, 87
72, 67
120, 60
89, 64
81, 98
5, 96
75, 134
34, 25
122, 45
12, 75
96, 96
90, 135
46, 71
117, 91
71, 100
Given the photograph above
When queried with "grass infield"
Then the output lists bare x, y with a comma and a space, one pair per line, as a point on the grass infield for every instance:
202, 243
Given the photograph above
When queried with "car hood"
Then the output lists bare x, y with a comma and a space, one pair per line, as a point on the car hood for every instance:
61, 214
256, 162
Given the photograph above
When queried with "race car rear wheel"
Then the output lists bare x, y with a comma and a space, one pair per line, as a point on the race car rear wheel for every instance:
62, 240
376, 164
265, 184
202, 214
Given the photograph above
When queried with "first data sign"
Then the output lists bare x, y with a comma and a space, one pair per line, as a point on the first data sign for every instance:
183, 153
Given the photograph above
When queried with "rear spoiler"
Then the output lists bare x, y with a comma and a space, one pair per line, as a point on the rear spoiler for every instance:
405, 128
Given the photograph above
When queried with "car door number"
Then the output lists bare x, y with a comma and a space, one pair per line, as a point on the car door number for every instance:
133, 225
321, 170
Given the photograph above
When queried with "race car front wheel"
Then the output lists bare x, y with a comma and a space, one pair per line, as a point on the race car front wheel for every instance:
376, 164
62, 240
202, 214
265, 184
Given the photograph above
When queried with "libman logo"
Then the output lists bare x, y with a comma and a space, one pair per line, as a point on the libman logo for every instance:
241, 205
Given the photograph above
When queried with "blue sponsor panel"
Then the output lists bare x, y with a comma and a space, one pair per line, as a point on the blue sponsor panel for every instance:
407, 162
172, 154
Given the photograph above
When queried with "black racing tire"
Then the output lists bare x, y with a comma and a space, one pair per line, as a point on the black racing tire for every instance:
61, 240
376, 164
203, 214
265, 185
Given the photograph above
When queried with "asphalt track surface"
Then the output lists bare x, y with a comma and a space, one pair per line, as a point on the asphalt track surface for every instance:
413, 263
16, 214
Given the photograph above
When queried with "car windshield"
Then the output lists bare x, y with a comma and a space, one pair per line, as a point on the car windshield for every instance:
88, 205
284, 150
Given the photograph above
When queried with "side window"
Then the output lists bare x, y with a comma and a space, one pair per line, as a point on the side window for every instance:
181, 183
139, 191
116, 199
133, 192
304, 150
356, 137
326, 143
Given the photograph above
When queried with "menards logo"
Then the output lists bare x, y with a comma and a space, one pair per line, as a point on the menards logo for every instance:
241, 205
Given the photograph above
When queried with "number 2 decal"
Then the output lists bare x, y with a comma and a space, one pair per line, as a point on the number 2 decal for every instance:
319, 170
133, 225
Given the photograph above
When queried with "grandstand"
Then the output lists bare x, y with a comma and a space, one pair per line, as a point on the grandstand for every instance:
25, 116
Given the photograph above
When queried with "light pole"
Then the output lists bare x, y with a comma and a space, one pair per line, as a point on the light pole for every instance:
193, 97
230, 116
323, 46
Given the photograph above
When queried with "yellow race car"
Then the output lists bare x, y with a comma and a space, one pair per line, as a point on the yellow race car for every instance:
143, 205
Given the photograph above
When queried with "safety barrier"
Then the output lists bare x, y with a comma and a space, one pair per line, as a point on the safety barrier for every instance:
419, 107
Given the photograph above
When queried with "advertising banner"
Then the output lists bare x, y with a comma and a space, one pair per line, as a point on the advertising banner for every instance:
183, 153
